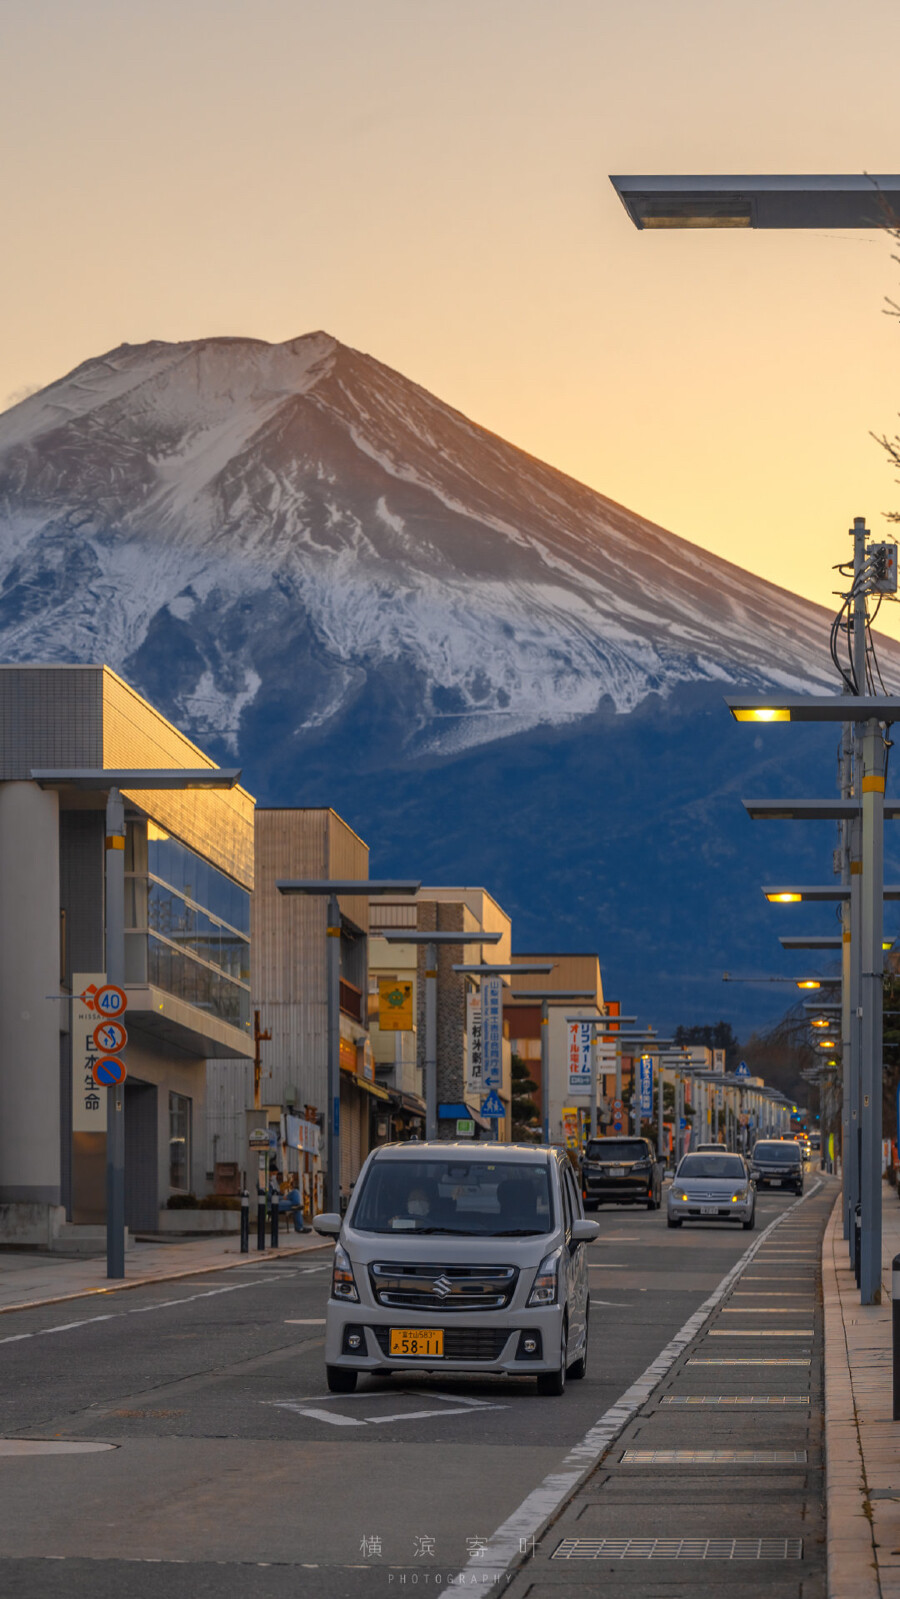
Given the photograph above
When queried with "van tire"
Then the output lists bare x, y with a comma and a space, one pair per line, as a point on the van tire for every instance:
340, 1379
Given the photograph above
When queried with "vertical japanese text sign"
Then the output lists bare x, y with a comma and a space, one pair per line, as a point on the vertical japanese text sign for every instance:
646, 1085
580, 1057
473, 1033
491, 1032
88, 1101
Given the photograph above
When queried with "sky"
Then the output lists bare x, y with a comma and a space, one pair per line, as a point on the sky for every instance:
427, 180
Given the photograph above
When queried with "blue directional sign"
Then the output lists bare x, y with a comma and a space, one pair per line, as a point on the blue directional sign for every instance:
743, 1070
492, 1105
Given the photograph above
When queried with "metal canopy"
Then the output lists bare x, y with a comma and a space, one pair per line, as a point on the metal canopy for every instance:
813, 708
817, 200
138, 777
803, 810
358, 887
478, 936
554, 993
484, 969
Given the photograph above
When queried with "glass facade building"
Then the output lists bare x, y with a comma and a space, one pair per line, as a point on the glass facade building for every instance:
187, 925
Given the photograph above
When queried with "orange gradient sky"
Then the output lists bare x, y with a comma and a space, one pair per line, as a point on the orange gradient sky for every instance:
427, 180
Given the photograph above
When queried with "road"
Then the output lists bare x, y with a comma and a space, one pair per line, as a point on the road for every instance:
204, 1454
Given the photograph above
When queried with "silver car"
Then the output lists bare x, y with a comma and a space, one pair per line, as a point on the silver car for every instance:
460, 1257
712, 1187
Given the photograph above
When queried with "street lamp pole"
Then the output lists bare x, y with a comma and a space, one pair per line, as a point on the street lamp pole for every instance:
431, 1116
115, 1094
871, 997
333, 1024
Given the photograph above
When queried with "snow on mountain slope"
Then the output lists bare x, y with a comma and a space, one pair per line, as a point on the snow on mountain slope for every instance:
299, 512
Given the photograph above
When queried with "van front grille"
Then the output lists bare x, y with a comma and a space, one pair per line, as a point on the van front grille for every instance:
404, 1286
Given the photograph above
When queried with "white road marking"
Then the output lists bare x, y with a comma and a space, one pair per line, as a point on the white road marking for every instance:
459, 1405
537, 1508
612, 1303
68, 1325
50, 1446
308, 1321
137, 1310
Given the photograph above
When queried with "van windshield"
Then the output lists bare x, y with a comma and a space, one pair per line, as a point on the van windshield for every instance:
778, 1154
709, 1166
617, 1149
465, 1198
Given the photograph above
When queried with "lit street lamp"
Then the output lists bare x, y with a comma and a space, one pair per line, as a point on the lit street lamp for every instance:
816, 201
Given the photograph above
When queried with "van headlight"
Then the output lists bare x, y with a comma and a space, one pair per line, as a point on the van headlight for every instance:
544, 1289
343, 1285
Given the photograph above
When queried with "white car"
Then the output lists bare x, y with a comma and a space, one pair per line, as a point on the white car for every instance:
460, 1257
713, 1187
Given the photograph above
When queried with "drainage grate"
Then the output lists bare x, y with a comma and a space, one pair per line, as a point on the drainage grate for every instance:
679, 1549
736, 1399
713, 1457
768, 1293
760, 1332
750, 1360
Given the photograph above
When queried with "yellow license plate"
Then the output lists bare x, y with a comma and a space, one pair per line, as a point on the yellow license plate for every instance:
417, 1341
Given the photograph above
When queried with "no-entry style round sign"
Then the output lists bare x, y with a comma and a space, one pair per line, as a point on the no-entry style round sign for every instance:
110, 1000
110, 1037
109, 1070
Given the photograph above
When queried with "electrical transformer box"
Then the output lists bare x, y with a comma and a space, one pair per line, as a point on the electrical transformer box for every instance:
884, 562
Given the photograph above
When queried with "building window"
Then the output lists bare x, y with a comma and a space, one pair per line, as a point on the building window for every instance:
179, 1142
188, 925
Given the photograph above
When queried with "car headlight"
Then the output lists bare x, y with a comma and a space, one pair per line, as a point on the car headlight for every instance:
544, 1288
343, 1285
681, 1194
740, 1196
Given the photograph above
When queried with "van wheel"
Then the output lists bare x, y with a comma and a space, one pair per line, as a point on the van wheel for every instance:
578, 1368
340, 1379
550, 1384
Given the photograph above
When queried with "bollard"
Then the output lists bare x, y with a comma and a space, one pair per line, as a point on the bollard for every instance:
261, 1222
245, 1222
895, 1328
275, 1223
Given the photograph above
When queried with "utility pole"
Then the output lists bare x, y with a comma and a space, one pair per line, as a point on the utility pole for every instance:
115, 1093
259, 1037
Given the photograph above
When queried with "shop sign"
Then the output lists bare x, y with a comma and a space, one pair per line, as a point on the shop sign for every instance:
718, 1056
646, 1079
491, 1032
88, 1099
365, 1060
580, 1058
348, 1055
465, 1129
570, 1126
473, 1038
395, 1006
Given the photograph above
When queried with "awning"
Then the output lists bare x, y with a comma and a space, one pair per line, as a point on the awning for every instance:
410, 1102
371, 1088
464, 1113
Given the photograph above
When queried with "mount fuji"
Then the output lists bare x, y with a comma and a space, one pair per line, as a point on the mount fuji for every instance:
496, 674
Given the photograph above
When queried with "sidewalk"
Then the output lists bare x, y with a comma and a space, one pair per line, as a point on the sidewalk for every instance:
862, 1443
28, 1279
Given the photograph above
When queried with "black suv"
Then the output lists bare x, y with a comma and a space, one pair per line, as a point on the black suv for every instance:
777, 1163
622, 1171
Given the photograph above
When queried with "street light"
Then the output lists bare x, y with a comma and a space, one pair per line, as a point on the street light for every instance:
816, 201
330, 889
431, 940
114, 780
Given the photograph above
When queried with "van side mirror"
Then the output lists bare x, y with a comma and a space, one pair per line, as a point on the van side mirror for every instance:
328, 1224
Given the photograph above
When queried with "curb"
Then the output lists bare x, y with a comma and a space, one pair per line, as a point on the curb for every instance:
851, 1559
161, 1277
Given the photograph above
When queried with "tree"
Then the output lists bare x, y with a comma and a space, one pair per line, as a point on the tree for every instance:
712, 1035
524, 1111
782, 1054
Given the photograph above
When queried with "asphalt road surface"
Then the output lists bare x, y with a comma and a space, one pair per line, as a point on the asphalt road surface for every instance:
203, 1455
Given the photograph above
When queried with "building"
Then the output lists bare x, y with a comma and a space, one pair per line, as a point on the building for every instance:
289, 986
569, 1093
393, 1026
188, 883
